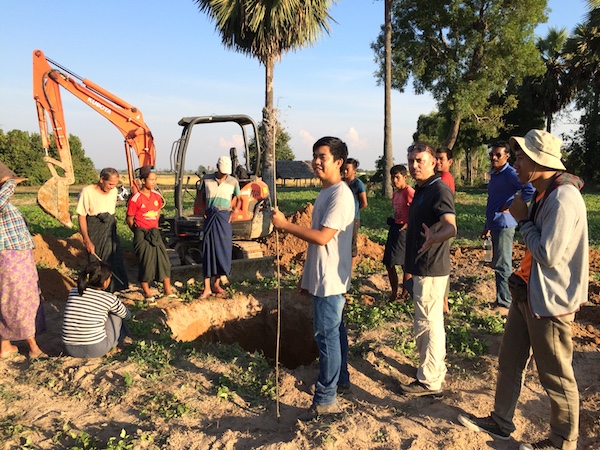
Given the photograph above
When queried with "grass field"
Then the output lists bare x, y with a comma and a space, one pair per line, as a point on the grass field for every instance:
470, 210
470, 213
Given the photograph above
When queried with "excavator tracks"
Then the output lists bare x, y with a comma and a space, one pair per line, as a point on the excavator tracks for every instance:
246, 250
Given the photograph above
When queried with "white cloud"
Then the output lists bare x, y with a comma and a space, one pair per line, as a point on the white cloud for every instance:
354, 141
236, 141
307, 139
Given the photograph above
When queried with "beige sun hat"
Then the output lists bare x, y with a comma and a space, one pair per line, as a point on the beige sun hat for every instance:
542, 147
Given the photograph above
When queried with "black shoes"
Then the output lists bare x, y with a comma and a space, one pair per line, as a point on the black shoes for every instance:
418, 389
484, 424
546, 444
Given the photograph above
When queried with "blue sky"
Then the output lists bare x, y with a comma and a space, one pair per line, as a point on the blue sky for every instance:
166, 59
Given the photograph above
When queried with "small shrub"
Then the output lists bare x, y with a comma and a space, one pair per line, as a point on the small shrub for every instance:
404, 342
251, 377
368, 317
461, 340
165, 404
154, 356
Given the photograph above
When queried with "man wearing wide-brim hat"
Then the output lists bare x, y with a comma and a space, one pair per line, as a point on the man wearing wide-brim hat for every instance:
549, 287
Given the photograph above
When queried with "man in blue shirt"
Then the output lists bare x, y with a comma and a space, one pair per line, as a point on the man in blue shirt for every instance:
499, 223
360, 199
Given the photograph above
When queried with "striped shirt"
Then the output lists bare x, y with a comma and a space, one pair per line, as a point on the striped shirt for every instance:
85, 316
219, 194
14, 234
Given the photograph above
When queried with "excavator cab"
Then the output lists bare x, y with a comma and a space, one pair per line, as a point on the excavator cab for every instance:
183, 232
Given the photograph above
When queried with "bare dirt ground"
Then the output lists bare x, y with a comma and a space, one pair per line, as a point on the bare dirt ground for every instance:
53, 402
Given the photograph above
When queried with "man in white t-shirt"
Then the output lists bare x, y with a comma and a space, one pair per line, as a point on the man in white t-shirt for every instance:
98, 226
327, 271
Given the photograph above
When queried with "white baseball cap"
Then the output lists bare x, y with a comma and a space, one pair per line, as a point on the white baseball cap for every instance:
224, 165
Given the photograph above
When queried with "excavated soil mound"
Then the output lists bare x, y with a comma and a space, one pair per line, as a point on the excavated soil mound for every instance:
292, 250
51, 251
57, 261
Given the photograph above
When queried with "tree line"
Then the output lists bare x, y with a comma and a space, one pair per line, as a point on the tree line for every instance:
493, 78
22, 152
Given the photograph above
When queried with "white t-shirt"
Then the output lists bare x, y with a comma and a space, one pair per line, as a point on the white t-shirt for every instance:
93, 202
328, 268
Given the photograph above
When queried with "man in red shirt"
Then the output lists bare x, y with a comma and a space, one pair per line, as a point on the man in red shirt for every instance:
143, 213
443, 158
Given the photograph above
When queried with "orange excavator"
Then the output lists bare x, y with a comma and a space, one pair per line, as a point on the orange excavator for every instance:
48, 78
183, 232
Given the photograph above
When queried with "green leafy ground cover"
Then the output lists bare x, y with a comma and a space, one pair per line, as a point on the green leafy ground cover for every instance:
158, 378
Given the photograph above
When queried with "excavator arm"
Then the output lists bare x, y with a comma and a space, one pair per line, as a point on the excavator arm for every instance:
48, 78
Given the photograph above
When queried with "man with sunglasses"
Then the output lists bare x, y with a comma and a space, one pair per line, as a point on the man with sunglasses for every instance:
499, 223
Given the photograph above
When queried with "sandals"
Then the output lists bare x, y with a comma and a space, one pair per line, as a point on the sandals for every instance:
10, 354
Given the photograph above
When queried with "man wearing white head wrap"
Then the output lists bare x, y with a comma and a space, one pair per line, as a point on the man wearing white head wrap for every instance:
219, 199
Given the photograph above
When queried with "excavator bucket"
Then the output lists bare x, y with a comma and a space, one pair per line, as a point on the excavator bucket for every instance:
53, 197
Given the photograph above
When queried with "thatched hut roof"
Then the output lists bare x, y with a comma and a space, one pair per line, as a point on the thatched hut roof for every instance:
295, 170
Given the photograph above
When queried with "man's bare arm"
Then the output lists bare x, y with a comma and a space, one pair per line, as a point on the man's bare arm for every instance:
84, 233
310, 235
446, 231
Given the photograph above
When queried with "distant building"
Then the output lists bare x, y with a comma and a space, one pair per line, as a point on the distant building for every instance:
296, 173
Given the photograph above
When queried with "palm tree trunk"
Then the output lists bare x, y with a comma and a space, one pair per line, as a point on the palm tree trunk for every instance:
387, 127
269, 118
592, 139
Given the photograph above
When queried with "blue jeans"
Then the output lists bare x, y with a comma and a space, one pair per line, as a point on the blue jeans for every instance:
502, 243
332, 341
116, 331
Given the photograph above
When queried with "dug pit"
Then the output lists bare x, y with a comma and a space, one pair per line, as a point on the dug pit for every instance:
251, 322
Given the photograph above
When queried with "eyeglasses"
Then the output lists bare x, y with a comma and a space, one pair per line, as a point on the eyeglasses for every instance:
496, 155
